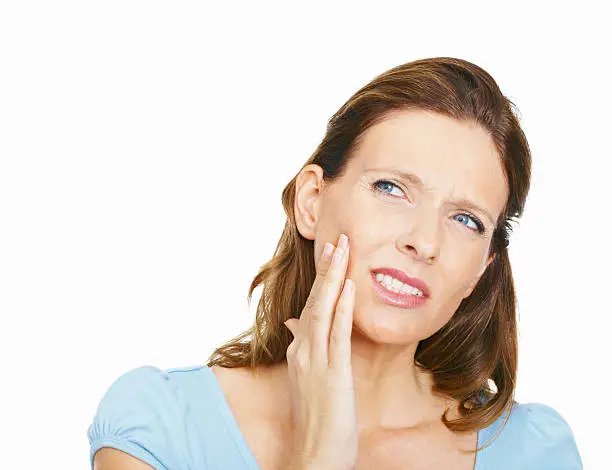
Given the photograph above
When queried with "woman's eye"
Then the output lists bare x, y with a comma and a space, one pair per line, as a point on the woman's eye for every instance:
477, 226
384, 183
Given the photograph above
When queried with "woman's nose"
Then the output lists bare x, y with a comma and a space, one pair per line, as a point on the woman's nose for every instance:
423, 238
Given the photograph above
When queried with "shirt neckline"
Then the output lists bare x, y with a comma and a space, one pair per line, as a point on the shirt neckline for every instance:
231, 424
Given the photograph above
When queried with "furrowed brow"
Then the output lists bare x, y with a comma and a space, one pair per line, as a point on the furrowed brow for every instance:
416, 181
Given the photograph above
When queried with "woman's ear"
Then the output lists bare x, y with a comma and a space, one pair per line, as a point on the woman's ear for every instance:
470, 288
308, 188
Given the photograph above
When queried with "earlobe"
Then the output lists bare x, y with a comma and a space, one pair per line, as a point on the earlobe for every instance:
308, 185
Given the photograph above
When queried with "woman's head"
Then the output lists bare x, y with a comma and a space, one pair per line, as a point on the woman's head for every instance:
434, 222
445, 122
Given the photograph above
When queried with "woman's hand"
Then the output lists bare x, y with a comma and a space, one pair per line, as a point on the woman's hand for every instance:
319, 361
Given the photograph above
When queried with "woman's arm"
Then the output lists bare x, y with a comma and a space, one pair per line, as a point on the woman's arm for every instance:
108, 458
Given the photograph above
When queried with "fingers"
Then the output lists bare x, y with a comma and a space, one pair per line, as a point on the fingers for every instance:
342, 325
323, 299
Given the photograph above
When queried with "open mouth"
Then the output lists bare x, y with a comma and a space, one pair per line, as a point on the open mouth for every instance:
396, 293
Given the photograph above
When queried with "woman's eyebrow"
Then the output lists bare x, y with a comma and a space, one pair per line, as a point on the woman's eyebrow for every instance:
416, 181
406, 175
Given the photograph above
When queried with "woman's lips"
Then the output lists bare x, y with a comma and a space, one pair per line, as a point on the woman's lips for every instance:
402, 276
394, 298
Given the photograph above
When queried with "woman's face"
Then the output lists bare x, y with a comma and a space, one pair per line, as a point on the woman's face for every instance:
423, 225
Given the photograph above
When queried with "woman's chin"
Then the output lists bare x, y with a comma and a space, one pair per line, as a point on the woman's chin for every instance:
387, 327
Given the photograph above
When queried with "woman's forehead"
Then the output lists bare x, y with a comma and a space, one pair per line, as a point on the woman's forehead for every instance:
422, 135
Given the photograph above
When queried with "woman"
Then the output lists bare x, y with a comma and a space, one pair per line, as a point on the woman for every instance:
400, 350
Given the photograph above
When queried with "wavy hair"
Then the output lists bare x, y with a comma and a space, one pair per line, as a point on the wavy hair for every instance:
473, 357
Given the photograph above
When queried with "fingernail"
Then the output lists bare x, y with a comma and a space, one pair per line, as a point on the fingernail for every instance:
343, 241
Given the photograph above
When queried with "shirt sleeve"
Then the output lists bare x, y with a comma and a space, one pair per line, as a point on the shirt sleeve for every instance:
548, 440
139, 414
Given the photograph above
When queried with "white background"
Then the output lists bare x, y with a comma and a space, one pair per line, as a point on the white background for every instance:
144, 146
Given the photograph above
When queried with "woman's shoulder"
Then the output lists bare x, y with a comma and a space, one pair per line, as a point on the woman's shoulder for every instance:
535, 436
144, 411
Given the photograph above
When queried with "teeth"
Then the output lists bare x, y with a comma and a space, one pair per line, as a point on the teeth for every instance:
397, 286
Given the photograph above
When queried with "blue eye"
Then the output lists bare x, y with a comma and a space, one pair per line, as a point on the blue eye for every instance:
383, 183
477, 225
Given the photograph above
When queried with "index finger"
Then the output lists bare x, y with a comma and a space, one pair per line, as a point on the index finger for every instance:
323, 298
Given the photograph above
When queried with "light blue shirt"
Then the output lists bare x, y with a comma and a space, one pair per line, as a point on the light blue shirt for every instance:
179, 419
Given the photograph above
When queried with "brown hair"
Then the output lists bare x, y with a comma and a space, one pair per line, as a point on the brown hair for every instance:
479, 343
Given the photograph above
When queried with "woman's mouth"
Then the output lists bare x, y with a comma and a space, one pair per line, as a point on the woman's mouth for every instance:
395, 293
